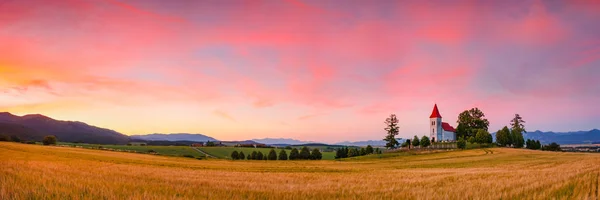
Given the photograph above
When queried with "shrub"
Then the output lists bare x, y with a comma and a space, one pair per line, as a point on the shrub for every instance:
272, 155
259, 156
49, 140
294, 154
188, 156
461, 143
425, 142
283, 155
316, 154
416, 142
253, 156
241, 156
234, 155
304, 153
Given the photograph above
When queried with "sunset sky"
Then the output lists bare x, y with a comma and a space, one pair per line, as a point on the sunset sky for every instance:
311, 70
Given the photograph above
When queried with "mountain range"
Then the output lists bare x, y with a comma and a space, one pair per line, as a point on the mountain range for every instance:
35, 127
174, 137
577, 137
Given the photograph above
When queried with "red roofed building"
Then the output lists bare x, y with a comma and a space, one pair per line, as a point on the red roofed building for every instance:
440, 131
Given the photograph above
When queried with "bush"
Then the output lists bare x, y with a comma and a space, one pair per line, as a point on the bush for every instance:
425, 142
15, 138
149, 151
234, 155
316, 154
188, 156
272, 155
259, 156
552, 147
416, 142
294, 154
49, 140
4, 138
471, 140
253, 156
461, 143
304, 153
241, 156
283, 155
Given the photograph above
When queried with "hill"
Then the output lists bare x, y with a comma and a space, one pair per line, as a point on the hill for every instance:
280, 141
174, 137
503, 173
36, 126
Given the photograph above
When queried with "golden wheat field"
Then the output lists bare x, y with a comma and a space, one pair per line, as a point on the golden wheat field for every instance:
43, 172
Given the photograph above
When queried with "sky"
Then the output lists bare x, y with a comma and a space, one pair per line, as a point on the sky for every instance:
322, 70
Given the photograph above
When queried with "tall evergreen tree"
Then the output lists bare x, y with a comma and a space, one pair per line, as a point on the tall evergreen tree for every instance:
517, 128
392, 129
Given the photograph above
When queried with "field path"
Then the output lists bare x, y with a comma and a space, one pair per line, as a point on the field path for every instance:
207, 155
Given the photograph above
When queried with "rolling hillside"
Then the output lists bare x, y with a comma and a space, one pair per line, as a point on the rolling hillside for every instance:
35, 127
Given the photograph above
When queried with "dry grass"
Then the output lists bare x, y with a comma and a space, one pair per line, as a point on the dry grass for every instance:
39, 172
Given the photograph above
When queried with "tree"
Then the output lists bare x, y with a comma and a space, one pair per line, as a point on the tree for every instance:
254, 156
392, 131
272, 155
353, 152
469, 121
49, 140
538, 145
304, 153
4, 138
241, 155
551, 147
283, 155
471, 140
234, 155
294, 154
249, 157
369, 149
415, 141
517, 128
482, 136
461, 143
425, 142
503, 137
15, 138
259, 156
362, 151
316, 154
210, 144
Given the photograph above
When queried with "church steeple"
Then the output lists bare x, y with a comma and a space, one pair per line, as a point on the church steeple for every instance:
435, 113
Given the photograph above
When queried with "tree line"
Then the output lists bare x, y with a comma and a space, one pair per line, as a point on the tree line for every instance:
304, 154
346, 152
48, 140
473, 128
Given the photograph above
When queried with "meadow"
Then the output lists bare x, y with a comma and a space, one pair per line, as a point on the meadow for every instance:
42, 172
225, 152
160, 150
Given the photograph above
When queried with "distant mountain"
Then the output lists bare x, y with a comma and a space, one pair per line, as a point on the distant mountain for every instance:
282, 141
36, 126
364, 143
577, 137
174, 137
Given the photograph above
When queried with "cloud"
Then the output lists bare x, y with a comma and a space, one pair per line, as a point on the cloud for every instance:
224, 115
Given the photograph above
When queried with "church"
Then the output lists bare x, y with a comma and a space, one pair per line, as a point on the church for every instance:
440, 131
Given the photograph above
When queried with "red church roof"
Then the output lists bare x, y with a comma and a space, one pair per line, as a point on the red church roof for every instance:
435, 113
447, 127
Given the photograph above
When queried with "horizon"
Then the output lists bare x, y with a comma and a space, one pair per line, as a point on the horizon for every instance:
301, 69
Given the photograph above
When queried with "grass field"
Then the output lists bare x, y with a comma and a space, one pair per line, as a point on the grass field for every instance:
225, 152
161, 150
43, 172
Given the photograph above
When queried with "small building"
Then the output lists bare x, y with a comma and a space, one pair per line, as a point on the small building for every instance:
197, 145
440, 131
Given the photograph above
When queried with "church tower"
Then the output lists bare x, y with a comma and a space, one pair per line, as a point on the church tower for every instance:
435, 124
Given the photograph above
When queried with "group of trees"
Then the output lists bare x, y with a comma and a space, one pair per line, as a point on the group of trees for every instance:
416, 142
513, 137
551, 147
303, 154
533, 144
346, 152
48, 140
